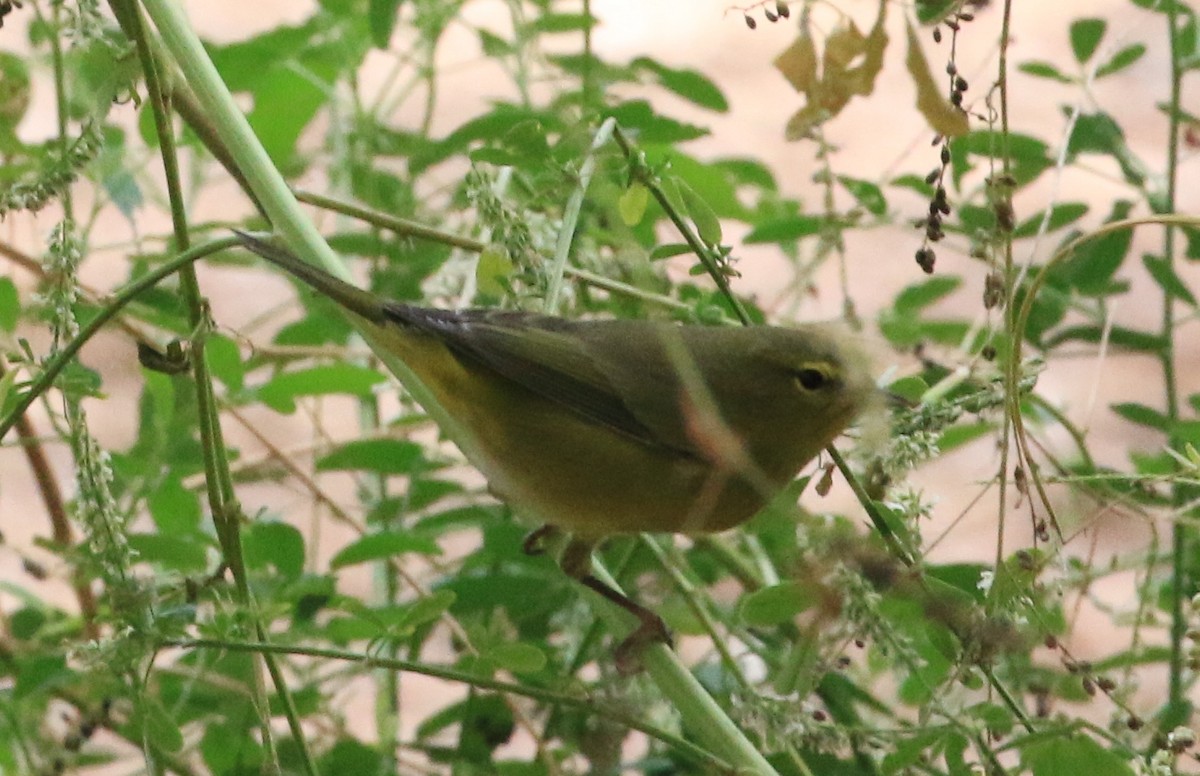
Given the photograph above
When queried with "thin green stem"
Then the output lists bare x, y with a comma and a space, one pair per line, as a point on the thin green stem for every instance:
582, 702
566, 232
708, 257
1178, 708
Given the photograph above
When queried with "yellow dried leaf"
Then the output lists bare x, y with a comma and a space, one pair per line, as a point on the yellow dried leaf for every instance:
942, 116
798, 63
848, 67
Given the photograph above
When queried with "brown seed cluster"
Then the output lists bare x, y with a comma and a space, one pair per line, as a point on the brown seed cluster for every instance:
939, 208
779, 11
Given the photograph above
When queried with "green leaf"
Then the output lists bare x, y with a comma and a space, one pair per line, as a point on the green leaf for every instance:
1039, 69
563, 22
784, 229
517, 657
381, 20
918, 296
1121, 60
384, 544
1085, 37
651, 127
1028, 156
868, 194
1098, 133
1090, 270
708, 226
174, 508
1142, 415
281, 391
179, 553
351, 756
669, 250
10, 305
157, 724
933, 11
775, 605
691, 85
225, 361
1165, 276
1061, 214
632, 203
493, 270
274, 544
1120, 336
1072, 753
385, 456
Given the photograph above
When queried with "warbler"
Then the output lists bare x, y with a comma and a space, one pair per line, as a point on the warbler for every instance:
603, 427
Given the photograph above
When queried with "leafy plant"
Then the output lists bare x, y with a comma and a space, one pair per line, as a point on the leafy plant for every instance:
207, 635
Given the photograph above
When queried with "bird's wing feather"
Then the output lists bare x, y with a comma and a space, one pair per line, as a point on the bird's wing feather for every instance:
549, 357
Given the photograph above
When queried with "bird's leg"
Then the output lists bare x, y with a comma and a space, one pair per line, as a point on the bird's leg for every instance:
576, 562
535, 542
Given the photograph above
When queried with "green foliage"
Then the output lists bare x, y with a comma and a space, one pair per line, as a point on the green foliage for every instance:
233, 578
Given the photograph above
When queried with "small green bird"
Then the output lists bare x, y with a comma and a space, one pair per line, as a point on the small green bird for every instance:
603, 427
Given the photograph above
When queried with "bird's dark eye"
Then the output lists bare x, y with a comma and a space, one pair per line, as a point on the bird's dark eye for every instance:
812, 379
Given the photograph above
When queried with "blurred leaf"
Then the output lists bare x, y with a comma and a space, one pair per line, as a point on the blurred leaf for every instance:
225, 361
1098, 133
349, 755
563, 22
1061, 214
918, 296
381, 19
274, 544
944, 118
931, 12
775, 605
383, 544
282, 390
866, 193
157, 725
632, 204
1121, 60
1094, 263
1040, 69
784, 229
183, 554
517, 657
651, 127
493, 271
1142, 415
691, 85
10, 305
1120, 336
385, 456
1071, 753
1085, 37
708, 226
1167, 279
1028, 156
174, 508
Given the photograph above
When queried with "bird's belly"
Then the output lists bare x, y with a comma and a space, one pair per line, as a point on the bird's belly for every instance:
561, 468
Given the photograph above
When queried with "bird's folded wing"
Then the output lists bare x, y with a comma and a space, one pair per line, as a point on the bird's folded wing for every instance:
546, 356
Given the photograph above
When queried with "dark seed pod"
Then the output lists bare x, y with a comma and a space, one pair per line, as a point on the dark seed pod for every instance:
782, 9
750, 22
771, 16
925, 259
